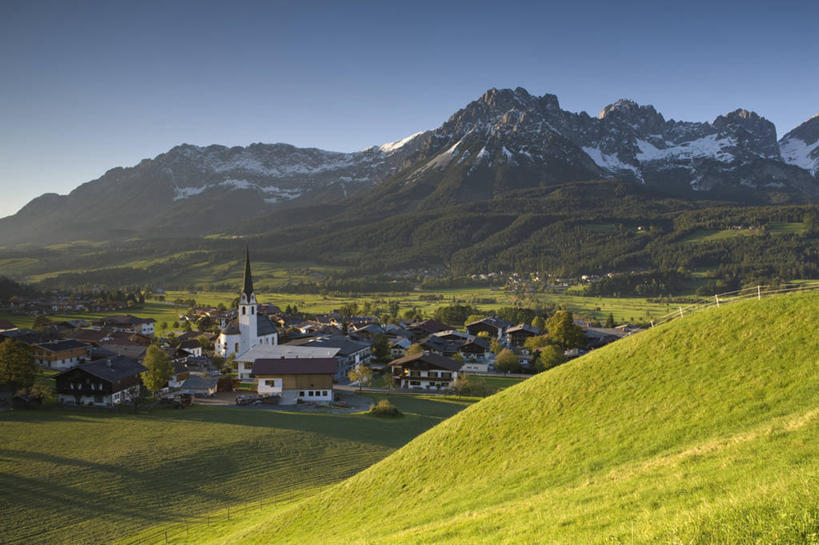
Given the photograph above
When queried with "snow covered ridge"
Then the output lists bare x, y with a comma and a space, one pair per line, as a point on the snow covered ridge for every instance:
272, 194
393, 146
798, 153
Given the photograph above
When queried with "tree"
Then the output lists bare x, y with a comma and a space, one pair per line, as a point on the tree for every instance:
474, 318
204, 323
549, 356
483, 334
539, 323
41, 323
17, 367
495, 346
389, 379
457, 356
415, 348
187, 326
163, 326
395, 306
159, 369
381, 347
533, 343
360, 373
461, 384
507, 361
610, 320
204, 342
563, 330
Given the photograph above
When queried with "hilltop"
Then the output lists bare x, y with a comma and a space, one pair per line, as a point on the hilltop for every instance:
704, 430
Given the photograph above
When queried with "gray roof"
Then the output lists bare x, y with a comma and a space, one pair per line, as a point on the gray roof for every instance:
58, 346
295, 366
110, 369
345, 346
431, 359
196, 382
263, 326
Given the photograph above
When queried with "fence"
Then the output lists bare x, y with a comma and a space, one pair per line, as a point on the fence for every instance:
719, 299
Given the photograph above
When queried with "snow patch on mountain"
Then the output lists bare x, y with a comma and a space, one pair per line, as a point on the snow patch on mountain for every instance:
609, 162
798, 153
707, 146
392, 146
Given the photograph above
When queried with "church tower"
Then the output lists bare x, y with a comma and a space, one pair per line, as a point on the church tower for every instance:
248, 321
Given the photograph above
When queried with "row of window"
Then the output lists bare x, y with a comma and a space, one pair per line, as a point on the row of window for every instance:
314, 393
94, 386
431, 374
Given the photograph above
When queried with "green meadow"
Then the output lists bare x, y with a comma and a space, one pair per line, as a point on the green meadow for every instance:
76, 476
702, 431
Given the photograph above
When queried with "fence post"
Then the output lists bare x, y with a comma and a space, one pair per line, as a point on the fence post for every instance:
681, 312
759, 293
717, 298
652, 323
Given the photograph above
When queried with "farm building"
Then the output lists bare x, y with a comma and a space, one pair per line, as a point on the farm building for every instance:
101, 383
60, 354
296, 379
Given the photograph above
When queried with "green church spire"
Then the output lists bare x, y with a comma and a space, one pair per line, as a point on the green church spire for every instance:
247, 287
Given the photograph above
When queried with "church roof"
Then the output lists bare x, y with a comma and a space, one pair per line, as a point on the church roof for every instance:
263, 326
247, 286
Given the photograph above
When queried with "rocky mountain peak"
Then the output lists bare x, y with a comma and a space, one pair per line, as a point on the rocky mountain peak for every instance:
748, 126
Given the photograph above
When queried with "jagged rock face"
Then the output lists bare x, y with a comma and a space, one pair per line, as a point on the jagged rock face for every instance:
507, 139
800, 147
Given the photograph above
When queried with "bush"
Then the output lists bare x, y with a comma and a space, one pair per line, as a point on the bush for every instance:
384, 409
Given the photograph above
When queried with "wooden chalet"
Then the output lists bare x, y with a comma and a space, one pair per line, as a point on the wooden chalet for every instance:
100, 383
425, 371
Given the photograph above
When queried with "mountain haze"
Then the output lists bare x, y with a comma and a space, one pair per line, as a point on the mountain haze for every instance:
504, 141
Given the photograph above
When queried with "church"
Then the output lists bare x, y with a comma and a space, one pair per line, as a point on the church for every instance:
249, 328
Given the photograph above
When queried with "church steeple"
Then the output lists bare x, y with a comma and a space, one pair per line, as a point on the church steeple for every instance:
247, 286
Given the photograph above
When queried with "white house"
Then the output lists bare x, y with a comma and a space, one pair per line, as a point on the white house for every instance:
425, 371
296, 380
249, 328
246, 360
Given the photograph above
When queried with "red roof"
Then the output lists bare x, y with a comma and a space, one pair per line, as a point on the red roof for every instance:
295, 366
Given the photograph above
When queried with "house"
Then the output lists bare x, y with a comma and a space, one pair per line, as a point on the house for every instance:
516, 336
27, 336
495, 327
245, 361
368, 331
399, 346
180, 374
126, 323
63, 354
199, 386
425, 371
191, 347
350, 352
5, 325
452, 335
444, 347
296, 380
101, 383
250, 327
421, 330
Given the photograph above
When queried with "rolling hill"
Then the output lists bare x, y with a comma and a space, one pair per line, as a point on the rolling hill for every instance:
704, 430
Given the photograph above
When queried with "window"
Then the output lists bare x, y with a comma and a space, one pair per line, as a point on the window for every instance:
310, 393
253, 310
301, 394
236, 348
324, 393
244, 309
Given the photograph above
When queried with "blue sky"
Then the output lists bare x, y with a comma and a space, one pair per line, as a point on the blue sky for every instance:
87, 86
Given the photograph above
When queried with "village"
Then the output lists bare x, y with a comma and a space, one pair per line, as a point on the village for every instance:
257, 354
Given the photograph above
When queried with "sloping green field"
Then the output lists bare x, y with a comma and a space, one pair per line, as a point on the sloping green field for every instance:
85, 477
704, 430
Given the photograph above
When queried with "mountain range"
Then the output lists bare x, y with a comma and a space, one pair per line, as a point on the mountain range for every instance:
506, 140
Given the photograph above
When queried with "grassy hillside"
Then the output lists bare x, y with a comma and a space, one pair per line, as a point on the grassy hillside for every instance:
87, 477
704, 430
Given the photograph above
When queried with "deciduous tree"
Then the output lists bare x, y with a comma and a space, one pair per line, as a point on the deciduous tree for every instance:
507, 361
360, 373
17, 367
563, 330
159, 369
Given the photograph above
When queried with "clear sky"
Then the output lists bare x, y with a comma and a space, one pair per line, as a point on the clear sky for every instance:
87, 86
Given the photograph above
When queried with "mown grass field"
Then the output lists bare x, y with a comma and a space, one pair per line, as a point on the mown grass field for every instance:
701, 431
74, 476
705, 235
